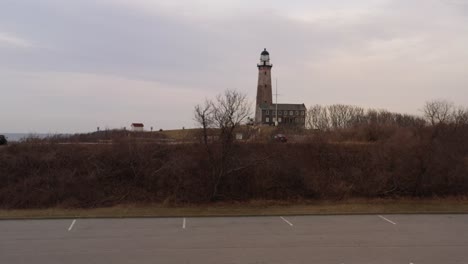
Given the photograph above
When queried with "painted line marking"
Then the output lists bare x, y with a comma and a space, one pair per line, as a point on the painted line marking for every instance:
72, 224
388, 220
289, 223
183, 223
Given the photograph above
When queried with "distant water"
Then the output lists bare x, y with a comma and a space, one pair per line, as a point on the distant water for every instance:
12, 137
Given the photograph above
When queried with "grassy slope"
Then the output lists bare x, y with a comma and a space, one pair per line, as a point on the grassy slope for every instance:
180, 134
254, 208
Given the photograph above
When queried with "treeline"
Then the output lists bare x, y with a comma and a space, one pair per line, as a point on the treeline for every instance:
423, 162
341, 116
352, 123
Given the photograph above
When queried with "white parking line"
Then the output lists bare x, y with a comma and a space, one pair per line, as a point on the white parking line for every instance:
72, 224
388, 220
183, 223
289, 223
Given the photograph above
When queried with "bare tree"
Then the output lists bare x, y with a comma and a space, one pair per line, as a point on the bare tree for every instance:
203, 117
405, 120
357, 116
460, 116
438, 111
317, 118
335, 115
229, 111
344, 116
223, 114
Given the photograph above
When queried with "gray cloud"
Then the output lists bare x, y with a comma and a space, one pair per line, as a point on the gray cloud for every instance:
385, 54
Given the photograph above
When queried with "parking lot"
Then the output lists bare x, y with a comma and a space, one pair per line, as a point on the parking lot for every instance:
274, 239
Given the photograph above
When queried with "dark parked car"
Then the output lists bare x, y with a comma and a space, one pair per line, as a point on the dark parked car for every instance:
3, 140
280, 138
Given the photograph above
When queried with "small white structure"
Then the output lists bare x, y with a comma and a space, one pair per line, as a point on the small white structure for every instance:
137, 127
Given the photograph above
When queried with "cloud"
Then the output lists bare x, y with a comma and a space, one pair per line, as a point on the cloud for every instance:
366, 52
11, 40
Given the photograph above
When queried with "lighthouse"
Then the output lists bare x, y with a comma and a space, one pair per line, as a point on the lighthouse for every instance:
267, 113
264, 89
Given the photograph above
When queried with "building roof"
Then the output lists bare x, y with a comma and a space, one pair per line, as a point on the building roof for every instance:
137, 125
265, 52
283, 107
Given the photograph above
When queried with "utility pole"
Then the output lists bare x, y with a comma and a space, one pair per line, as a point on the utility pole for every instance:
276, 103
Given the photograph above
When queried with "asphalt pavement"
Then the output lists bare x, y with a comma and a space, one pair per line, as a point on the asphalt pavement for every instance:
417, 239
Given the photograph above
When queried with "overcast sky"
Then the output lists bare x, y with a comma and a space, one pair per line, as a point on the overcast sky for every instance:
70, 66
